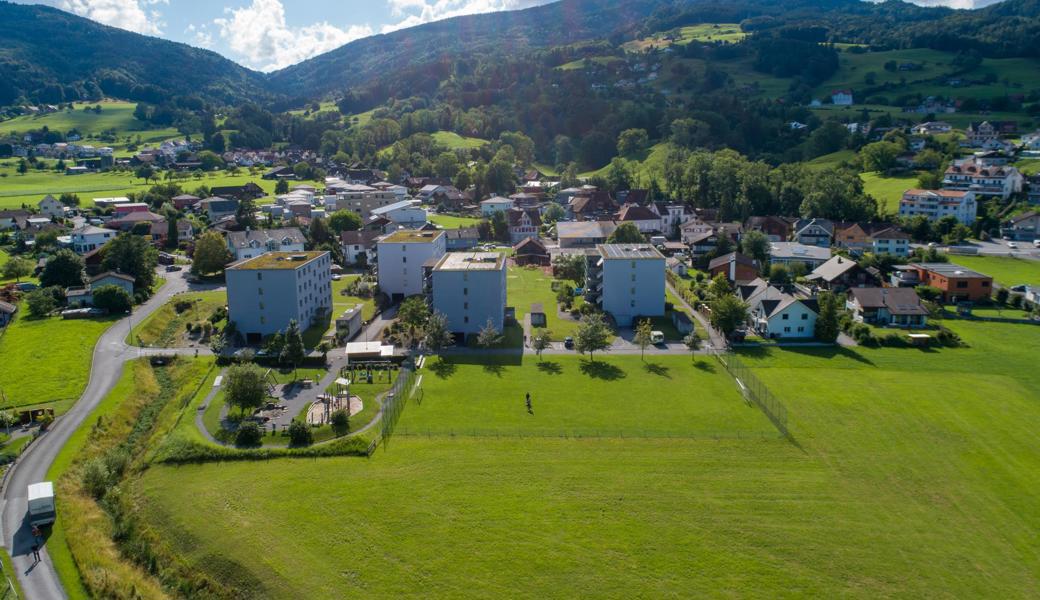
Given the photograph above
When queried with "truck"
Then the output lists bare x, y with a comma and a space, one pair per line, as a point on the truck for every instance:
41, 503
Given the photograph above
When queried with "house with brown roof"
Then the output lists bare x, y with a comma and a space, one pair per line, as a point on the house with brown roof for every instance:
531, 251
841, 273
7, 311
359, 247
591, 205
735, 266
777, 229
645, 219
891, 306
523, 223
1024, 227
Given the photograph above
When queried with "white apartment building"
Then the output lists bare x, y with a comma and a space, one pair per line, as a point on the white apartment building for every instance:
88, 238
267, 291
362, 199
936, 204
627, 281
469, 288
254, 242
400, 259
406, 213
973, 175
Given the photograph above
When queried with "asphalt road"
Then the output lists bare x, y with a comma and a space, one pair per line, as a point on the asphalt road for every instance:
40, 581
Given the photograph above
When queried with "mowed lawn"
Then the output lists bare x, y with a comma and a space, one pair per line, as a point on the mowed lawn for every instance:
1005, 270
610, 396
915, 474
47, 360
453, 222
888, 191
525, 287
341, 302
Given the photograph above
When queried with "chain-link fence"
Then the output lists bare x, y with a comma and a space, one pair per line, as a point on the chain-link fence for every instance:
394, 401
755, 391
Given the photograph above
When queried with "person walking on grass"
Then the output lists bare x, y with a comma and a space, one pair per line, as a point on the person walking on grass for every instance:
529, 403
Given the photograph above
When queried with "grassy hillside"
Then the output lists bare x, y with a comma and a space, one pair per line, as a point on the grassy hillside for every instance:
455, 141
888, 190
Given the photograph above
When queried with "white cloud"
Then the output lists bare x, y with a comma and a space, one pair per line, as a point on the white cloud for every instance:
417, 12
200, 36
260, 37
125, 14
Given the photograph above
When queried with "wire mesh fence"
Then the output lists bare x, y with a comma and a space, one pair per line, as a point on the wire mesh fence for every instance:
755, 391
394, 401
577, 434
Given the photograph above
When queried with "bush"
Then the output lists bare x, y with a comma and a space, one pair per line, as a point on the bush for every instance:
862, 334
218, 315
40, 303
112, 298
1001, 296
340, 422
948, 338
893, 340
1015, 300
96, 478
248, 435
181, 306
300, 434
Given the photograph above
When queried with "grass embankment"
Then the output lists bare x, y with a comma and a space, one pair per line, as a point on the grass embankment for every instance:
47, 361
914, 475
88, 561
165, 328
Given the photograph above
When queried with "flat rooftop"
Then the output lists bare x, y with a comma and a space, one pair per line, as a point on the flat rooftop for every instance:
471, 261
277, 261
413, 236
629, 251
951, 270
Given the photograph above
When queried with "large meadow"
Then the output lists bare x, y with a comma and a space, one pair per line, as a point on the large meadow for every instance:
910, 473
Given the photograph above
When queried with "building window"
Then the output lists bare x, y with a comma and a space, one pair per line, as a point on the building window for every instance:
632, 291
259, 291
785, 316
404, 259
465, 319
465, 306
259, 276
261, 306
801, 329
805, 316
465, 291
787, 330
962, 284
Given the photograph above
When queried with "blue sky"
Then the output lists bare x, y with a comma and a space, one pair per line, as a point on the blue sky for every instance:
270, 34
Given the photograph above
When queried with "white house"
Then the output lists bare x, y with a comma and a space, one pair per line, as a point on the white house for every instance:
791, 253
406, 213
266, 292
469, 288
627, 281
254, 242
897, 306
359, 247
890, 241
400, 259
84, 296
785, 317
841, 97
644, 218
51, 208
362, 199
972, 175
88, 238
495, 204
936, 204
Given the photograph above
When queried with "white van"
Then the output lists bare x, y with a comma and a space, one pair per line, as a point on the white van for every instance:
41, 503
656, 337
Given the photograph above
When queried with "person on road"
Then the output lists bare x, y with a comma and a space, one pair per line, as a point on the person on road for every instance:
36, 552
36, 533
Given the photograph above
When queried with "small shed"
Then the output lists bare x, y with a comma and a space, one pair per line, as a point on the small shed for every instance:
538, 318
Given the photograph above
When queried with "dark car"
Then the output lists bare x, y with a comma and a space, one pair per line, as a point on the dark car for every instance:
568, 343
173, 268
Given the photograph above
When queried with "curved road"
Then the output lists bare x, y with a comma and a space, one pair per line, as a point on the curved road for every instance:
40, 581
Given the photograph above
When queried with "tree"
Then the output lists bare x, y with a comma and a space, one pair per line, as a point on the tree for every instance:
244, 387
644, 336
40, 303
300, 434
173, 234
756, 245
489, 335
248, 435
112, 298
499, 226
282, 187
880, 156
293, 352
569, 267
23, 167
135, 256
64, 269
728, 313
553, 213
827, 327
211, 254
541, 341
690, 133
626, 233
69, 199
344, 220
413, 316
719, 287
632, 141
592, 335
245, 214
779, 275
340, 421
145, 172
16, 268
436, 335
693, 343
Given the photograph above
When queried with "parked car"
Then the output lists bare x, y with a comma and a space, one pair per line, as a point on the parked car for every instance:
25, 286
568, 342
1012, 245
337, 277
1036, 243
656, 337
172, 268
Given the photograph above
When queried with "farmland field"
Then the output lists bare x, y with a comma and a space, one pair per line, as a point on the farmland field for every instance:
455, 141
47, 361
887, 491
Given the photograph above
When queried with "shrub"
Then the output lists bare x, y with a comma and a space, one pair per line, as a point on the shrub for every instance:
893, 340
1015, 300
300, 434
96, 478
181, 306
218, 315
862, 334
112, 298
40, 303
248, 435
1001, 296
340, 422
948, 338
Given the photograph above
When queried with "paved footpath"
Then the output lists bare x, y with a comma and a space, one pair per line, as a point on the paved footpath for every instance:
39, 580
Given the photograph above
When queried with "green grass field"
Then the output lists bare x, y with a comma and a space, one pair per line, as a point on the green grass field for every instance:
831, 161
47, 361
165, 327
455, 141
452, 222
1005, 270
341, 302
888, 191
914, 475
726, 33
528, 286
